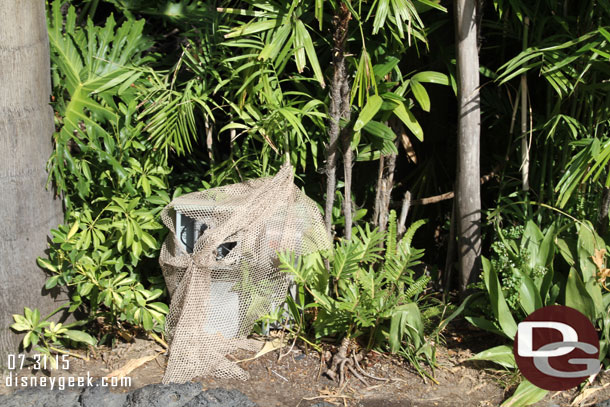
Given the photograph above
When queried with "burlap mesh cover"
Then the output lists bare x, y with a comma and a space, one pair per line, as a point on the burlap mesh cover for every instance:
231, 278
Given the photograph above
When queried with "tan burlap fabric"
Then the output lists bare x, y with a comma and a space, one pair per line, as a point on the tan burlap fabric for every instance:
231, 278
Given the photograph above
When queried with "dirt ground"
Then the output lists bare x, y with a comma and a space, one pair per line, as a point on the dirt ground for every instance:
291, 376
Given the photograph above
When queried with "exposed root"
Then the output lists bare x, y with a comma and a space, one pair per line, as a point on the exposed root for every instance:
343, 362
358, 358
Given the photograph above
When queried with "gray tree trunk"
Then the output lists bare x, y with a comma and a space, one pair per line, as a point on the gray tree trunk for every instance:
469, 130
27, 210
336, 110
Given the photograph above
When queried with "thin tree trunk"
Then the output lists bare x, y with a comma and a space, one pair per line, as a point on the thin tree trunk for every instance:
404, 211
378, 191
346, 135
525, 150
386, 194
469, 129
209, 140
340, 24
27, 209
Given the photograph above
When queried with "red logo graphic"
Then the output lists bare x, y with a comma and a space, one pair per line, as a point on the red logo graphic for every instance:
556, 348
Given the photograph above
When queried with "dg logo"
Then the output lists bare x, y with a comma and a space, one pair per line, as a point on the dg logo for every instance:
556, 348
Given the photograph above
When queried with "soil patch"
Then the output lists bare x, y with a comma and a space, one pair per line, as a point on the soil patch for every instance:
292, 376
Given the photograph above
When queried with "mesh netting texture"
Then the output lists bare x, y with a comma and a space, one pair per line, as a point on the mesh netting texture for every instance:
220, 265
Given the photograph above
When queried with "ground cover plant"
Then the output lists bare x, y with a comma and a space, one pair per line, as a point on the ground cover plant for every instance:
154, 99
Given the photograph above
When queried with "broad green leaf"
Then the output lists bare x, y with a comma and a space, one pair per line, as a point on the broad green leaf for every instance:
498, 303
51, 282
382, 70
595, 292
421, 95
44, 263
529, 297
431, 77
379, 130
80, 336
547, 247
312, 56
147, 322
73, 230
577, 296
368, 111
406, 319
588, 243
502, 355
532, 237
253, 27
564, 250
525, 395
409, 120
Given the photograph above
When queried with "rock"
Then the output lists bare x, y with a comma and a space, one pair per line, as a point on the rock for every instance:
41, 397
163, 395
220, 398
98, 396
153, 395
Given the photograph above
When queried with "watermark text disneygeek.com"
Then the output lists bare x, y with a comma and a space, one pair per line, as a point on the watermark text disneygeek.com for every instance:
16, 378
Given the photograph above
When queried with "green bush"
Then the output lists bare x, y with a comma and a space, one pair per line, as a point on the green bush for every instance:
368, 292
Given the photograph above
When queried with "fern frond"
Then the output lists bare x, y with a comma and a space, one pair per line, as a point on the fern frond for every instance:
390, 239
368, 242
408, 237
417, 287
346, 258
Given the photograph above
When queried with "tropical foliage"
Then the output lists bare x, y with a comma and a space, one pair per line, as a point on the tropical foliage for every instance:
154, 99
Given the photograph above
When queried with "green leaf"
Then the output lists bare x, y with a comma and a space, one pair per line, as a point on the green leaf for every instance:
46, 264
379, 130
368, 111
72, 231
147, 321
529, 296
406, 319
421, 95
577, 296
502, 355
311, 52
588, 243
51, 282
431, 77
497, 301
382, 70
159, 306
564, 250
253, 27
85, 289
525, 395
409, 120
27, 340
80, 336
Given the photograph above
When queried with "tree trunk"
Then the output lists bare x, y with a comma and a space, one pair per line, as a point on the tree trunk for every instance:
340, 24
525, 148
348, 158
27, 210
469, 129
